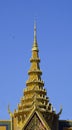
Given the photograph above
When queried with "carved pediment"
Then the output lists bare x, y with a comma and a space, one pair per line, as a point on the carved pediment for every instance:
35, 124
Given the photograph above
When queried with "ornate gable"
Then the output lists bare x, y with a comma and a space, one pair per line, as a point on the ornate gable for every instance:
36, 122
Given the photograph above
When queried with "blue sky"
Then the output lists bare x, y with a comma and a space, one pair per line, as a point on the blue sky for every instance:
54, 36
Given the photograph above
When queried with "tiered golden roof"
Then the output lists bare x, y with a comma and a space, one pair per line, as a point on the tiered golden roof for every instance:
34, 96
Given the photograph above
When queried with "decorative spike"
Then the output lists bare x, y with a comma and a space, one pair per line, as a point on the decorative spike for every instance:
35, 39
35, 46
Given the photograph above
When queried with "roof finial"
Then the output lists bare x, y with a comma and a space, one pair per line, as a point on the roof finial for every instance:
35, 46
35, 40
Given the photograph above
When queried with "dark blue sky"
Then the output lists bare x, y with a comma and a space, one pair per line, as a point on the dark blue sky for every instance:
54, 36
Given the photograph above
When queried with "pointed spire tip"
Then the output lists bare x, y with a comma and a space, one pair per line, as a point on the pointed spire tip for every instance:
35, 39
35, 46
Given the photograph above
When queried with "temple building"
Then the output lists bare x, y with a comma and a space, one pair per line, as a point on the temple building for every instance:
35, 112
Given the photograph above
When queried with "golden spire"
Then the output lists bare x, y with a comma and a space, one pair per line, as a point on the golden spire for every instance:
34, 95
35, 46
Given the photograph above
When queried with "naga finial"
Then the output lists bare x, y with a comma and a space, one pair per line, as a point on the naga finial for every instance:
10, 113
60, 111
